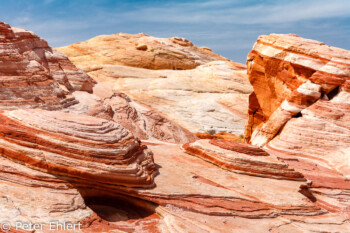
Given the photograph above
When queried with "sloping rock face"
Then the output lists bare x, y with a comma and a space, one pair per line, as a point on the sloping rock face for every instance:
140, 51
28, 61
282, 200
241, 158
65, 165
289, 74
143, 121
33, 75
300, 111
209, 96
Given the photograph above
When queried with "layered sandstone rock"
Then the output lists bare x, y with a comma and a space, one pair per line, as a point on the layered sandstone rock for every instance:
67, 166
75, 145
210, 96
241, 158
33, 75
143, 121
47, 156
140, 51
288, 74
29, 71
300, 111
206, 198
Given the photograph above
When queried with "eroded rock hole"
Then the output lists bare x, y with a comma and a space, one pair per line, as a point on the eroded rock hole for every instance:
333, 93
117, 209
297, 115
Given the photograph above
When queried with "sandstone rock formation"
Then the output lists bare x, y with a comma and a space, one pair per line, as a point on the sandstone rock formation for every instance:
143, 121
72, 156
75, 145
288, 74
210, 95
28, 58
300, 111
33, 75
140, 51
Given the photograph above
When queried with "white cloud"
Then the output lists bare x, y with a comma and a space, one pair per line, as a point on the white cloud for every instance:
222, 12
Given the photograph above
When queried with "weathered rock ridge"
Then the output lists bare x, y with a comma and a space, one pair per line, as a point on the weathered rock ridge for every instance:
209, 93
300, 109
34, 75
289, 74
141, 51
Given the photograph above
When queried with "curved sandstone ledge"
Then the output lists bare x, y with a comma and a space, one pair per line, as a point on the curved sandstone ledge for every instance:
243, 159
289, 74
239, 147
204, 188
200, 195
75, 146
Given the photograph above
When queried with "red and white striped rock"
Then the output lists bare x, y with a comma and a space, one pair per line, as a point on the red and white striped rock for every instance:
288, 74
143, 121
241, 158
77, 146
302, 105
29, 69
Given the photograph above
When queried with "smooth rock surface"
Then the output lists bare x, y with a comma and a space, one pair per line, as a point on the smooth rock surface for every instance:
140, 51
210, 95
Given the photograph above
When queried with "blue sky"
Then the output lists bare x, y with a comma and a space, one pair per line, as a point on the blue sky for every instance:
229, 27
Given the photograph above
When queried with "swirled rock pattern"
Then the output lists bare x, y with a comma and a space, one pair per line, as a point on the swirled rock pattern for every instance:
300, 111
143, 121
82, 164
75, 145
33, 75
241, 158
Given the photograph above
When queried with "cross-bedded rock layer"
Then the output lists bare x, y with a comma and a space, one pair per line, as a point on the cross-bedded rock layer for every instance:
300, 111
67, 166
288, 74
34, 75
75, 145
30, 70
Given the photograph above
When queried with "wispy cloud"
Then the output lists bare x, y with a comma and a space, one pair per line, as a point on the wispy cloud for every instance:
223, 12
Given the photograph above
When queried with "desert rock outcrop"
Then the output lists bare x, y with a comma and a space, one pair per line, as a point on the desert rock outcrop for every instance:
289, 74
27, 61
140, 51
143, 121
34, 75
209, 96
300, 111
72, 155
